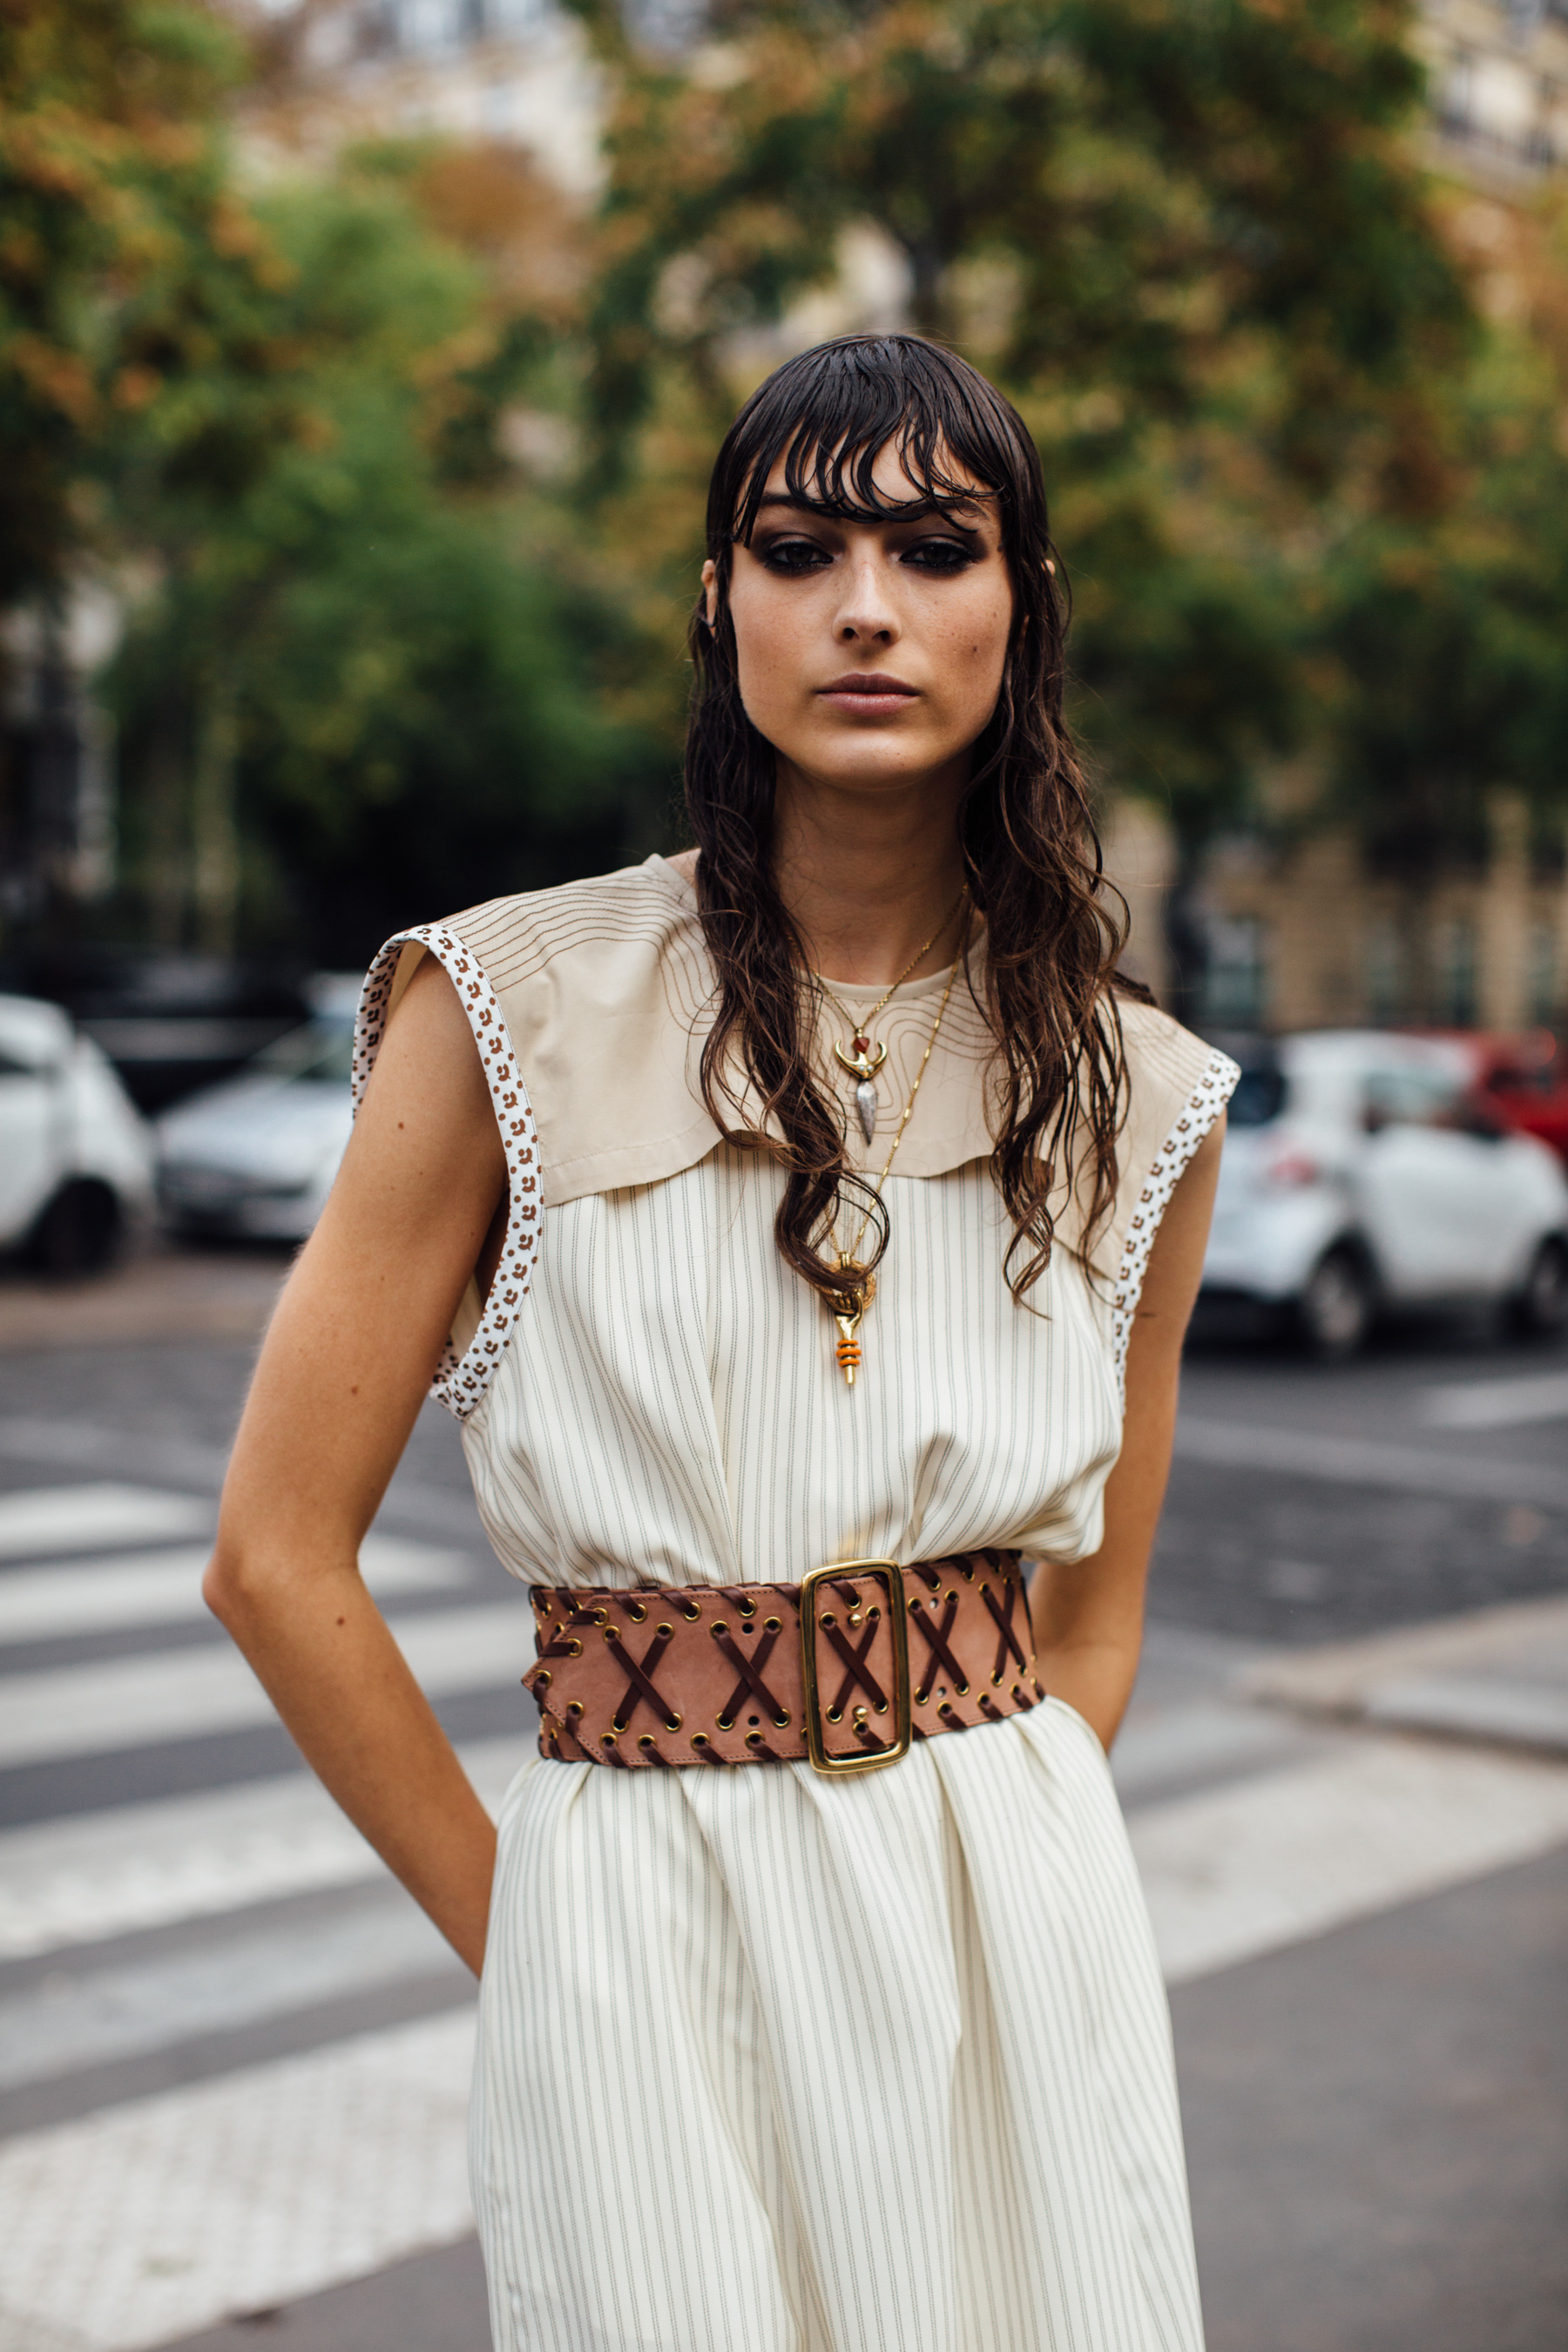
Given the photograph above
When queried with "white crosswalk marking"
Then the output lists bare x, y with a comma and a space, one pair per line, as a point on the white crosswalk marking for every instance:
1249, 1868
71, 2022
163, 1588
83, 1519
131, 2228
182, 1694
136, 1866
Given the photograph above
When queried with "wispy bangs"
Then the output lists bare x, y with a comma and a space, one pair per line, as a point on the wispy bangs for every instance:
830, 414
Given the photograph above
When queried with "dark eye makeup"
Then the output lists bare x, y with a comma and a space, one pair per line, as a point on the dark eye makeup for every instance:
791, 558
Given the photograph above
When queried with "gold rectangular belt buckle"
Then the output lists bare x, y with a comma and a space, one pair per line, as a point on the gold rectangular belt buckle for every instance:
851, 1656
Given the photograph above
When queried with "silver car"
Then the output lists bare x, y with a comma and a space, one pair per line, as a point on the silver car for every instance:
254, 1157
1360, 1173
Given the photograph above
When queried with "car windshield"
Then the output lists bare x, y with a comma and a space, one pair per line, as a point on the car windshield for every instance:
1259, 1097
323, 1051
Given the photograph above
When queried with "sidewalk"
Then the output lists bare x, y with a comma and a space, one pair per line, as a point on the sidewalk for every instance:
1362, 1912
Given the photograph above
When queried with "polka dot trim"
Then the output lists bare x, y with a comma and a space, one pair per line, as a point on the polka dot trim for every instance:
460, 1383
1203, 1106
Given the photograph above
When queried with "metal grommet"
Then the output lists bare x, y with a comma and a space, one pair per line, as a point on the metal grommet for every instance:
664, 1632
691, 1609
718, 1627
574, 1649
699, 1739
674, 1722
636, 1610
770, 1625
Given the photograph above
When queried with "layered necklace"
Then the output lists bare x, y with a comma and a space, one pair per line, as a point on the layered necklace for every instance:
865, 1056
848, 1306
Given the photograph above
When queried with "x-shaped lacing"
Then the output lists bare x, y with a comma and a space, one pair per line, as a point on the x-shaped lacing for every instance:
937, 1651
853, 1657
748, 1666
1003, 1622
638, 1683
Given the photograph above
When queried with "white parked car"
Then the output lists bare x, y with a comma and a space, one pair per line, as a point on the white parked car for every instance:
255, 1155
1360, 1173
75, 1156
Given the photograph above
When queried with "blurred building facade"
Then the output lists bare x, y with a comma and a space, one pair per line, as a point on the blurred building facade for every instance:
504, 72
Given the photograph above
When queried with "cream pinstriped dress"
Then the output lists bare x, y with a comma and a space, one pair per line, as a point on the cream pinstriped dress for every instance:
771, 2063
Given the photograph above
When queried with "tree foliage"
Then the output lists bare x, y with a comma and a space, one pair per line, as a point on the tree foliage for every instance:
1189, 237
1449, 641
126, 260
401, 663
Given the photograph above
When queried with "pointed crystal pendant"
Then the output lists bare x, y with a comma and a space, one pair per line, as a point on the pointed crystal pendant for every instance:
865, 1107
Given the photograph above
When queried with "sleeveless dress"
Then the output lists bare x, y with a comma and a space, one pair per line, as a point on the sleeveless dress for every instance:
769, 2062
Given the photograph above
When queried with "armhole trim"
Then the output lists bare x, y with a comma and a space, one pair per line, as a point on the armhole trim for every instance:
461, 1382
1217, 1082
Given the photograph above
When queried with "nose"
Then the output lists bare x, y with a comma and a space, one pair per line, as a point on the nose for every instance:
865, 614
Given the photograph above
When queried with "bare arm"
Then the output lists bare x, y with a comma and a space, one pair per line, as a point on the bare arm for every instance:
345, 1365
1088, 1613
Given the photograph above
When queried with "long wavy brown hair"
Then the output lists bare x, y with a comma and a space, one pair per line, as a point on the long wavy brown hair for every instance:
1055, 926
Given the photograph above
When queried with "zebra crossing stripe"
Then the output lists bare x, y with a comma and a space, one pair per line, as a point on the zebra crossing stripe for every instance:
137, 1866
142, 2224
182, 1694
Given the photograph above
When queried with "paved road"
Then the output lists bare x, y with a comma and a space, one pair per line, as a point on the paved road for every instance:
232, 2054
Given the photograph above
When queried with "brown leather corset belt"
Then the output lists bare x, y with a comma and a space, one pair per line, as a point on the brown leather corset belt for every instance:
846, 1669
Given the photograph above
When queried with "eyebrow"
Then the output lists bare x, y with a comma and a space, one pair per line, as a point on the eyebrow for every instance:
910, 511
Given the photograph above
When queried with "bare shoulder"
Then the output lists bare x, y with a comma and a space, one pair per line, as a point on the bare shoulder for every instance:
425, 1134
1177, 1260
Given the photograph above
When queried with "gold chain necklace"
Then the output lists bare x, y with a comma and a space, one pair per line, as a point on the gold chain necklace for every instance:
848, 1306
866, 1056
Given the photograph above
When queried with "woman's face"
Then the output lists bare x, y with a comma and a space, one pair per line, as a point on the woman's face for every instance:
870, 654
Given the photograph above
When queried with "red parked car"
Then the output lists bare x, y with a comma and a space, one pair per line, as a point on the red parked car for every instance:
1522, 1080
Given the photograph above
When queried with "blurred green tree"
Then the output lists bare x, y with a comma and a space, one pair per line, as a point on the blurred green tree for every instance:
1450, 642
123, 250
363, 652
1190, 238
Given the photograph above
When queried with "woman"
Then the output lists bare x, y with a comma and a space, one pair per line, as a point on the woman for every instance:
803, 1204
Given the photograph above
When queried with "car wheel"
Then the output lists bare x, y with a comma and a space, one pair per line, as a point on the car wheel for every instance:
1334, 1309
1542, 1307
78, 1232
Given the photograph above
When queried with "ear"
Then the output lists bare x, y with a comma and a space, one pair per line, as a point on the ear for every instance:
711, 587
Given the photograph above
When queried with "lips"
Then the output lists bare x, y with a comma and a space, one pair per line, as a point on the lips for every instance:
871, 692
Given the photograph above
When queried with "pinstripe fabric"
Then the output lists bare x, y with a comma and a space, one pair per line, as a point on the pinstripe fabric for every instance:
771, 2064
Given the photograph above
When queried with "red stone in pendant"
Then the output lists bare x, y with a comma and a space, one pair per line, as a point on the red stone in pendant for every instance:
861, 1045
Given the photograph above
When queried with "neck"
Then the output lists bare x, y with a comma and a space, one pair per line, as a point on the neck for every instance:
868, 876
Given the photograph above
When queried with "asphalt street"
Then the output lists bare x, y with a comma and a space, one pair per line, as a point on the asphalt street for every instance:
232, 2054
